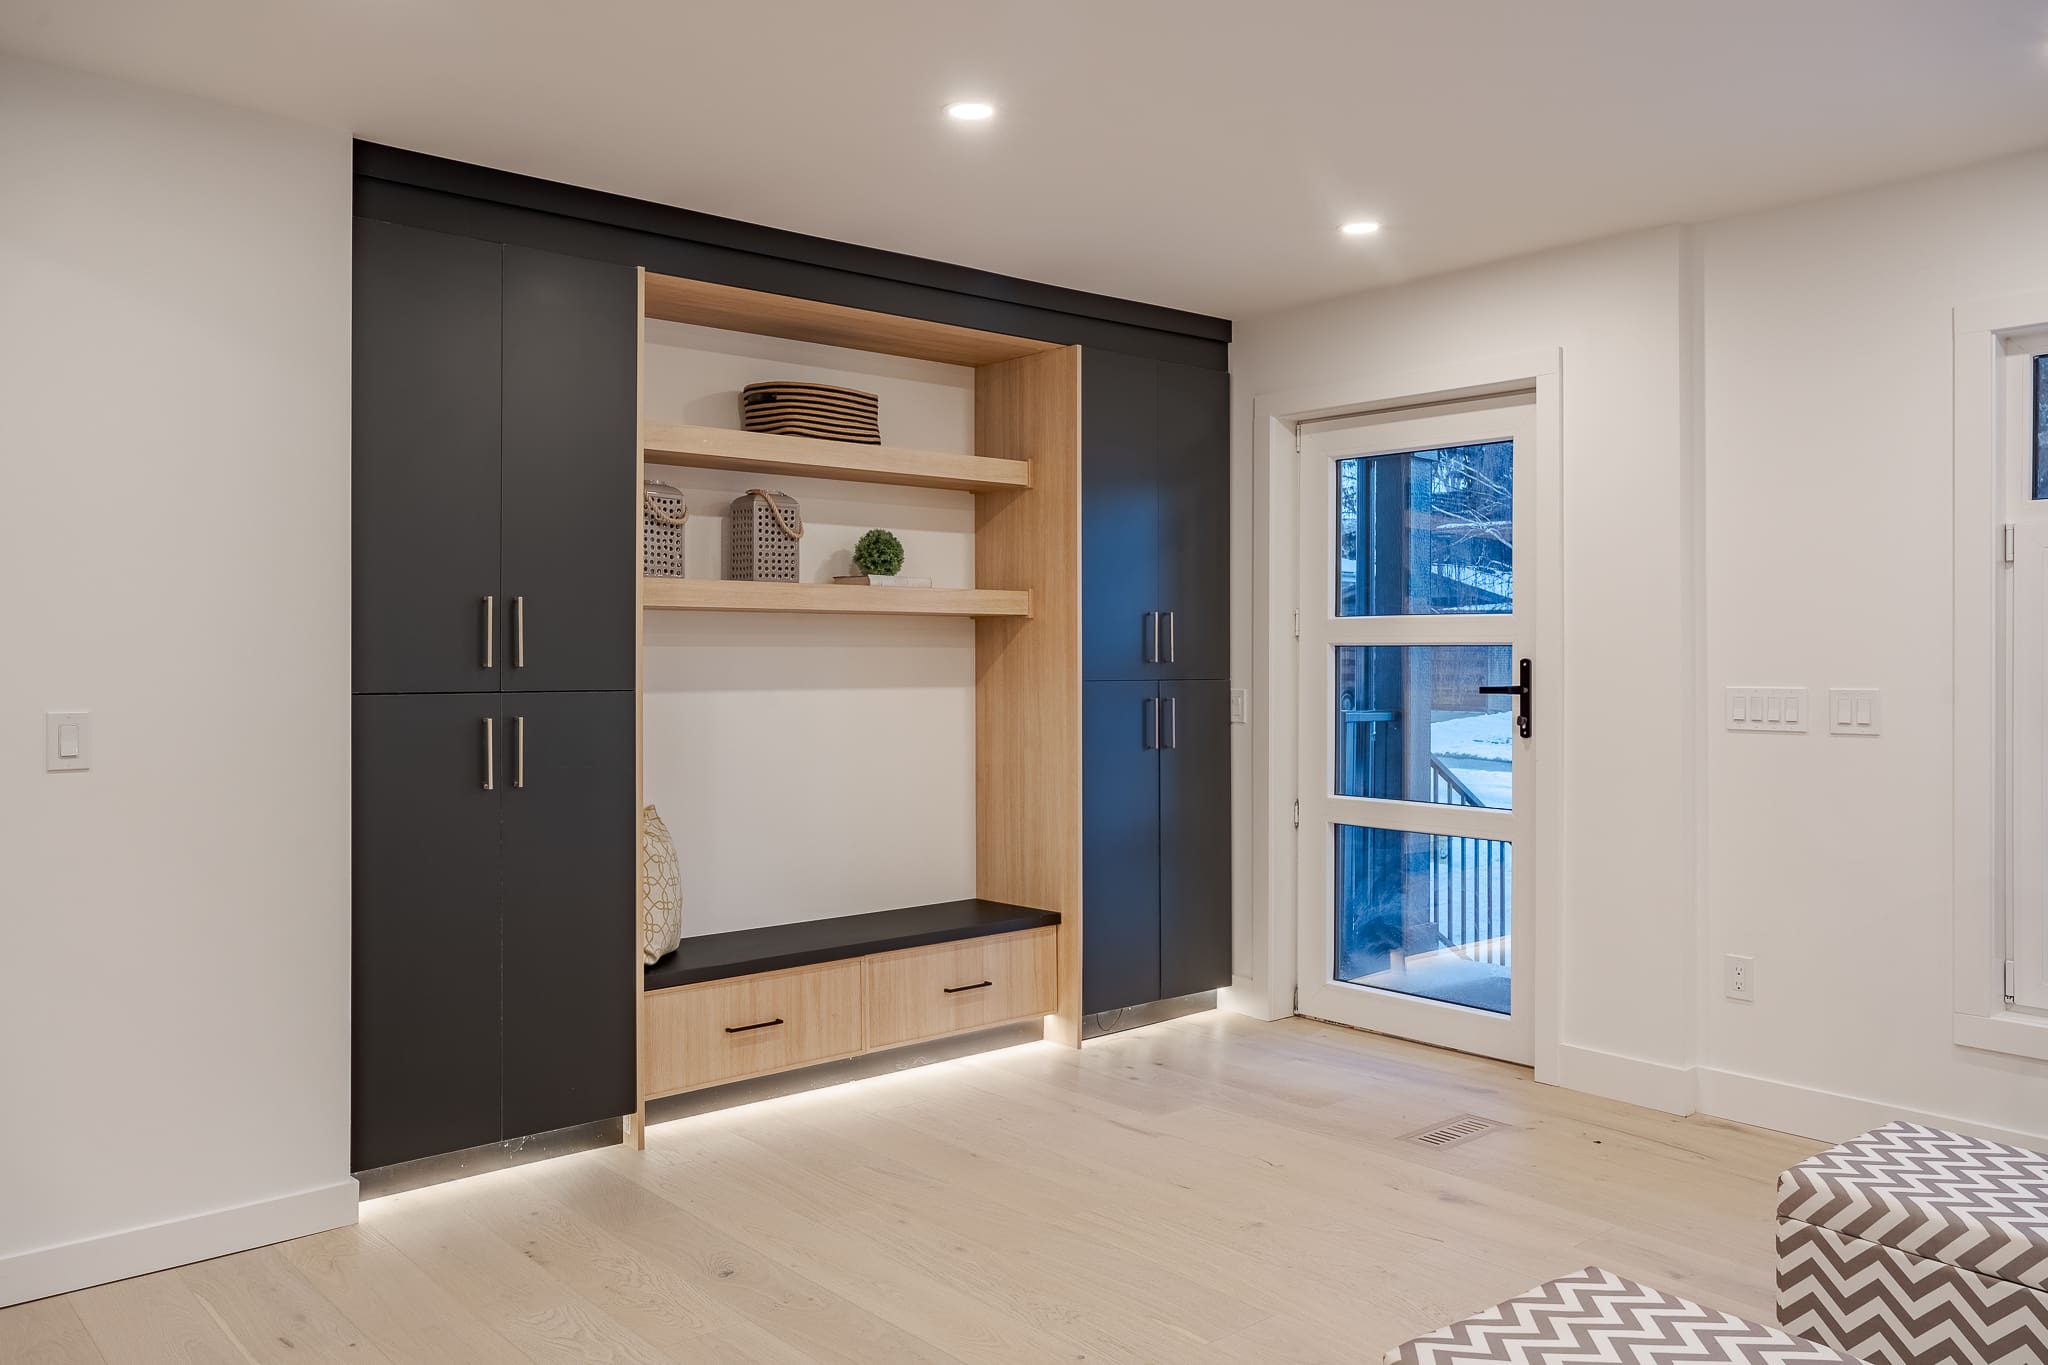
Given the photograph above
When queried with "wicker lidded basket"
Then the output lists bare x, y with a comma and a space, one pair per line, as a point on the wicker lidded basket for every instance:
662, 514
762, 532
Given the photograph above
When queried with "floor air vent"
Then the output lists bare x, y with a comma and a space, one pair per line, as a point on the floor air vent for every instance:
1454, 1131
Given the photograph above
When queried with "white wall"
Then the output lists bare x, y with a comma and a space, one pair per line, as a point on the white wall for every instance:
1829, 549
174, 492
810, 766
1757, 485
1615, 309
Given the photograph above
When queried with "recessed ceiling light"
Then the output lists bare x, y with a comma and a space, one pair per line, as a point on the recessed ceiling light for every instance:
970, 111
1363, 228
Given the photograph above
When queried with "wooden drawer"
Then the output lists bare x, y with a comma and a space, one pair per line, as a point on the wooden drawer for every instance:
721, 1030
924, 993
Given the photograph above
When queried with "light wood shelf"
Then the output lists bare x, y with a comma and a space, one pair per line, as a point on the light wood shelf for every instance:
675, 443
852, 599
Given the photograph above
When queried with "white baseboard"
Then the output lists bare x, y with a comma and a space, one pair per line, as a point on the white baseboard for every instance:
1632, 1080
1825, 1115
44, 1271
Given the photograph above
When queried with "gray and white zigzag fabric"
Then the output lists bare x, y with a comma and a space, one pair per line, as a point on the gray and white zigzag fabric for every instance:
1971, 1203
1891, 1308
1597, 1318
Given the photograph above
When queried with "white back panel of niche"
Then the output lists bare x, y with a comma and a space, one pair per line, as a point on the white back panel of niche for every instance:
811, 766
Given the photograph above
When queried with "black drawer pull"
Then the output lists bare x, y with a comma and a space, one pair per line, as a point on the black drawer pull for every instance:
749, 1028
955, 990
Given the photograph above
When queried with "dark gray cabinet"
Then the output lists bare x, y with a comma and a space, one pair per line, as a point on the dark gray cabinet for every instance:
1120, 845
493, 918
426, 1069
571, 403
495, 505
1194, 837
495, 466
1155, 567
1155, 519
428, 324
1155, 852
571, 891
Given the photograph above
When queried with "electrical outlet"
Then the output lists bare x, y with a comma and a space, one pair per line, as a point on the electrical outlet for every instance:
1739, 977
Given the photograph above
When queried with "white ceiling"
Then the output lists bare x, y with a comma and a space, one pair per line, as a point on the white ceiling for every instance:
1197, 153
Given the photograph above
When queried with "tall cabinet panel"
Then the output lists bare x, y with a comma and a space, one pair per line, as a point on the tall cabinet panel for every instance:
1194, 837
1120, 844
1155, 568
495, 513
1120, 549
427, 1075
1192, 419
569, 921
571, 502
428, 318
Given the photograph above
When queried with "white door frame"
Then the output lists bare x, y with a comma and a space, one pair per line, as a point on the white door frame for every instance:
1267, 988
1320, 451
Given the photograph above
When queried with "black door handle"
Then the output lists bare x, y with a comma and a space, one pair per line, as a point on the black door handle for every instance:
1525, 693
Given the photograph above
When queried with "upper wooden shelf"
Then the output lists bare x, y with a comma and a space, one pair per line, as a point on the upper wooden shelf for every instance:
672, 298
674, 443
849, 599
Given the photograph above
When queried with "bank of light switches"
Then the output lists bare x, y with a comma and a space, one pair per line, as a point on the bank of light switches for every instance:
1767, 708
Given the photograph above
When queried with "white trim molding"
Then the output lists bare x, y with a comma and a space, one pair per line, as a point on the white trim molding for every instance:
43, 1271
1978, 882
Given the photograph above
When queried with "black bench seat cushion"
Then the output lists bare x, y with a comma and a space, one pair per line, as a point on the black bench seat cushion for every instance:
744, 952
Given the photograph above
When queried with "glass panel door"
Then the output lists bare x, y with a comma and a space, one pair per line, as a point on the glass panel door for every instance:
1418, 722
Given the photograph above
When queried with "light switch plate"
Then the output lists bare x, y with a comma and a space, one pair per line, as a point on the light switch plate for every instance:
1240, 708
1782, 709
1855, 711
67, 741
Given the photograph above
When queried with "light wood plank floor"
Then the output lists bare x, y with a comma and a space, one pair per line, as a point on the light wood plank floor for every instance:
1212, 1189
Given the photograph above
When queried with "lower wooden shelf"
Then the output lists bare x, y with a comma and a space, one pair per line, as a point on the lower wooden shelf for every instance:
851, 599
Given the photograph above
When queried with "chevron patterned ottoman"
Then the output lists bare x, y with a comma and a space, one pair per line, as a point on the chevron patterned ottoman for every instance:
1912, 1246
1597, 1318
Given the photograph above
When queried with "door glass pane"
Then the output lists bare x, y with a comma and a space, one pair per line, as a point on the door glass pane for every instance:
1427, 532
2041, 426
1425, 915
1412, 726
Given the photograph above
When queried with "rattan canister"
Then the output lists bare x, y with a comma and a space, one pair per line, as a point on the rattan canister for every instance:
662, 514
761, 536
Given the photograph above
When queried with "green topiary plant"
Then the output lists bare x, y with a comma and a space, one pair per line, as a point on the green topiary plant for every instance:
878, 554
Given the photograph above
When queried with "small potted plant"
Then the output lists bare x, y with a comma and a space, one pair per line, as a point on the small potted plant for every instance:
878, 561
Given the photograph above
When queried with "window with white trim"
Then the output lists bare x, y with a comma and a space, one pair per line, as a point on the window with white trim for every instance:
2023, 659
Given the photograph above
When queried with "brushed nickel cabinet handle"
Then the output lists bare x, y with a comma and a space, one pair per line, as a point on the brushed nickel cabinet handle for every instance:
1152, 624
1172, 653
749, 1028
979, 985
490, 631
1151, 723
490, 755
1173, 722
519, 751
519, 632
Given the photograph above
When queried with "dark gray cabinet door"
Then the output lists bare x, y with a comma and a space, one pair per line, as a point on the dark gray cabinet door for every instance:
570, 909
1194, 838
571, 472
1119, 845
426, 1063
1193, 472
427, 314
1120, 549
